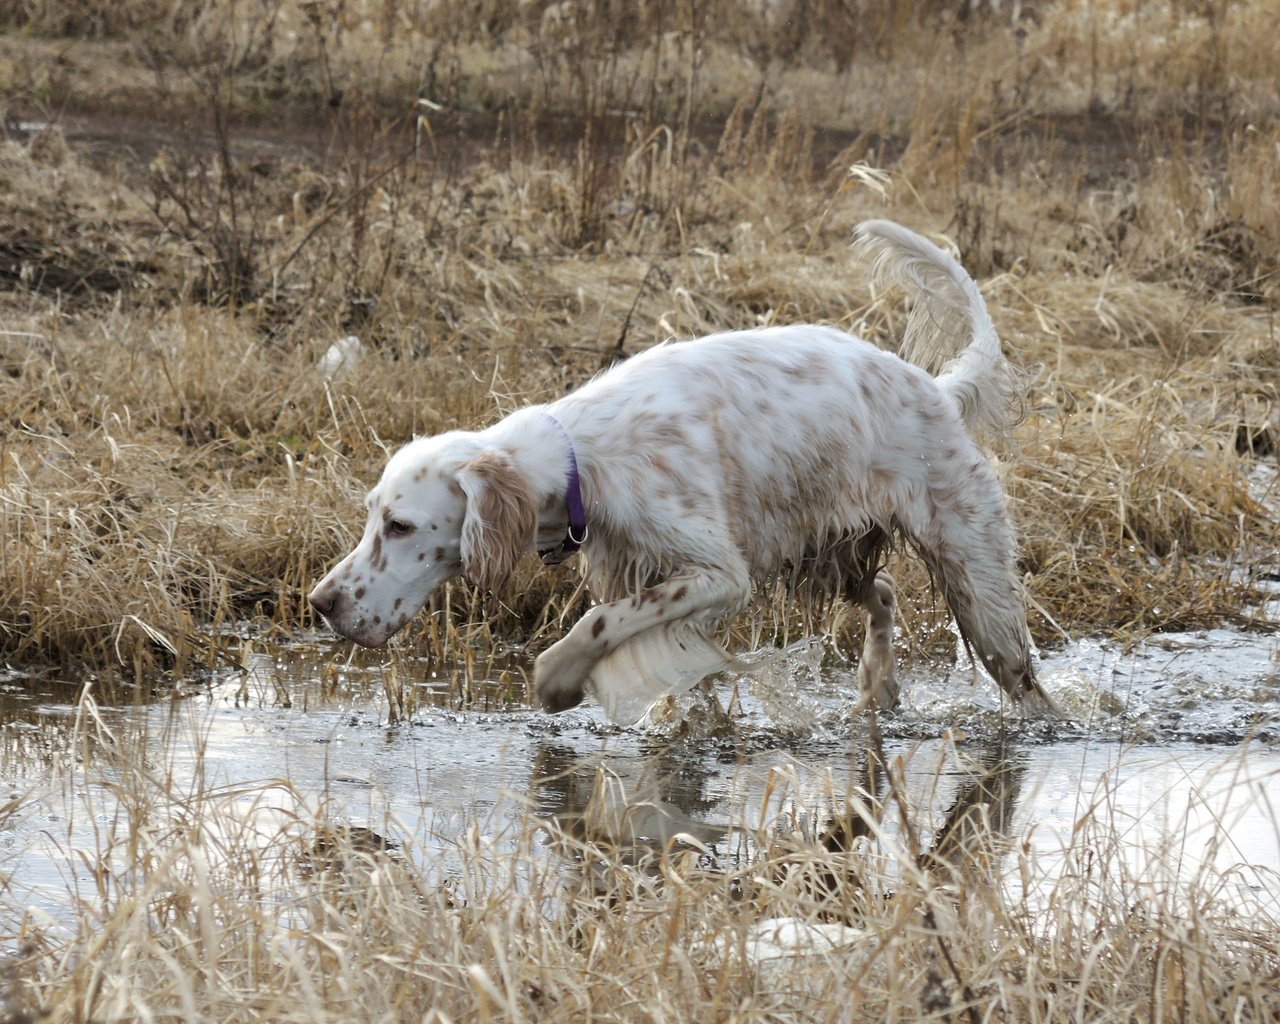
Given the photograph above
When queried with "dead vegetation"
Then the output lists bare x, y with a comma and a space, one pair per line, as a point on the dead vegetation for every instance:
500, 199
242, 903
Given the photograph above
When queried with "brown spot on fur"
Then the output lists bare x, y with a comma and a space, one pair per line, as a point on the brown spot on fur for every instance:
396, 607
597, 628
803, 373
670, 436
680, 593
422, 556
439, 554
664, 467
359, 593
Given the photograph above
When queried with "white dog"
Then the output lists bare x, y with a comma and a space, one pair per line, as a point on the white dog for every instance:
699, 467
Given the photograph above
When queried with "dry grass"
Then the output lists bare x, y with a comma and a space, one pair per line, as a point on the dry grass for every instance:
252, 903
581, 185
173, 460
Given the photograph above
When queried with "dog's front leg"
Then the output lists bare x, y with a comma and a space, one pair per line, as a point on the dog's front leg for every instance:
560, 673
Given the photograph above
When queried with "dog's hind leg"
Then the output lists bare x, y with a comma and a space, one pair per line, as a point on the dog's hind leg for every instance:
968, 543
873, 591
877, 675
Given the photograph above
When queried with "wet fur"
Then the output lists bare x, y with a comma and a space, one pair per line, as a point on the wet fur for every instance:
710, 465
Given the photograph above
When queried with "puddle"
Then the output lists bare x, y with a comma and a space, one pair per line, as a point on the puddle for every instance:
1174, 747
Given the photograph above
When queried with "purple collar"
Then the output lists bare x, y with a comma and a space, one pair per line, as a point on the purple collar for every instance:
576, 535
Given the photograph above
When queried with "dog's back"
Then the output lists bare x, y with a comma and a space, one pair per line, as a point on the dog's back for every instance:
786, 438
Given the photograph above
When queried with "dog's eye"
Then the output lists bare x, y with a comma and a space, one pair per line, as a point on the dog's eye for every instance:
399, 528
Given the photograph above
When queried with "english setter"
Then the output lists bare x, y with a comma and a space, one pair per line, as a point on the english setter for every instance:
698, 467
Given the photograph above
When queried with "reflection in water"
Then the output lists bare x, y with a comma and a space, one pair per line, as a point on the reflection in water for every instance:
817, 830
817, 803
591, 799
979, 823
851, 827
607, 816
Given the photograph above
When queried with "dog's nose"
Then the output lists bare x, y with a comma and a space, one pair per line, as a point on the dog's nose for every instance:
323, 600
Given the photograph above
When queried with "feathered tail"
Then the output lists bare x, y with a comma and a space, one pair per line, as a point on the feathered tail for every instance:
949, 331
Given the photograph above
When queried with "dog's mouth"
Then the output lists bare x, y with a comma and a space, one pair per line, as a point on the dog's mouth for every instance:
363, 624
359, 635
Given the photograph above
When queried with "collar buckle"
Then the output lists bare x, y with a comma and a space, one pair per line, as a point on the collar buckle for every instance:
576, 533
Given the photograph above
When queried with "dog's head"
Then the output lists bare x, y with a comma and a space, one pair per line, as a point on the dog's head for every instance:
445, 505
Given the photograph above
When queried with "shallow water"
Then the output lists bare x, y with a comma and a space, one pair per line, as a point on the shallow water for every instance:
1172, 748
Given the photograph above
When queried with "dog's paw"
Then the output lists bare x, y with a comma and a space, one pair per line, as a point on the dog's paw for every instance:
558, 682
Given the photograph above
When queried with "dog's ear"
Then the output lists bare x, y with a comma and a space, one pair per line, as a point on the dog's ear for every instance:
500, 521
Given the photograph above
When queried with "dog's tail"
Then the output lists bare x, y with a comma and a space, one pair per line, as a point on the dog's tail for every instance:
949, 331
